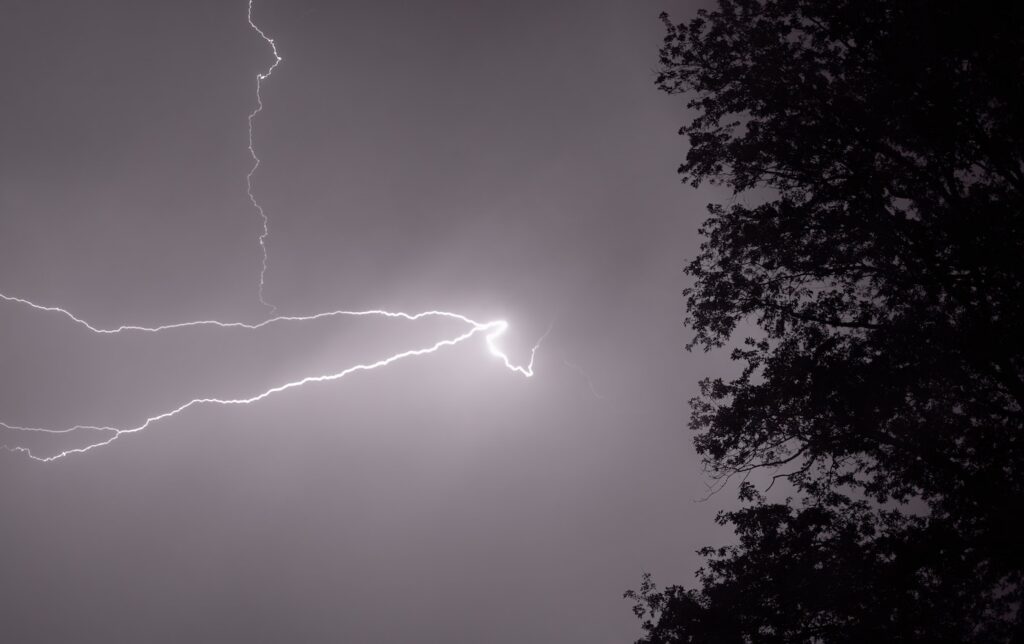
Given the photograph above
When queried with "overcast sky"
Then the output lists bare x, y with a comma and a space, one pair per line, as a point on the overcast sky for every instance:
498, 159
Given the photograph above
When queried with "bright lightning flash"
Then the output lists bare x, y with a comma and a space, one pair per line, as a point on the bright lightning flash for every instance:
491, 331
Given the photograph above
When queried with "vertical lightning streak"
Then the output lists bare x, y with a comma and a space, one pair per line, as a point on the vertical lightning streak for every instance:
256, 160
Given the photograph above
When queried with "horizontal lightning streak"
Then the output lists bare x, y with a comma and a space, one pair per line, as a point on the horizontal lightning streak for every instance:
492, 330
239, 325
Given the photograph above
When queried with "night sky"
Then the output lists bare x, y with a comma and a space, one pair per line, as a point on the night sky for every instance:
503, 160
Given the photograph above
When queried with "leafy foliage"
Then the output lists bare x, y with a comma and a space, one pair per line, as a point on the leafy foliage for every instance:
883, 268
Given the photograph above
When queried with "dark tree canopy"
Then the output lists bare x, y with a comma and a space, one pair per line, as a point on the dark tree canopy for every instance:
877, 241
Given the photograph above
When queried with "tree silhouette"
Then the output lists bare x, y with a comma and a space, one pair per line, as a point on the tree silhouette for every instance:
882, 260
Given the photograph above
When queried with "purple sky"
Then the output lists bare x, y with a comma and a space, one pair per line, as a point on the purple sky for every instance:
498, 159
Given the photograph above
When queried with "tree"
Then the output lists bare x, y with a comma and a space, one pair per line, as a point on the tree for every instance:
883, 264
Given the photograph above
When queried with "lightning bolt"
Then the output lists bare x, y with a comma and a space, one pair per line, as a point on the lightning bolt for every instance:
491, 330
262, 76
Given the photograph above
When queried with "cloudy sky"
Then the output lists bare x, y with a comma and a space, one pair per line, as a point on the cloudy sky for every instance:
503, 160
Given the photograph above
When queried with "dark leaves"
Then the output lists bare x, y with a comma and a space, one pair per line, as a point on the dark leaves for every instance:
883, 147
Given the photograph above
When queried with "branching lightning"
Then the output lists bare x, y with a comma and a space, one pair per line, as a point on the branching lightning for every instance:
491, 331
262, 76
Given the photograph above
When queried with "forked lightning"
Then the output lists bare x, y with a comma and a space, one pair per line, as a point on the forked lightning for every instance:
490, 330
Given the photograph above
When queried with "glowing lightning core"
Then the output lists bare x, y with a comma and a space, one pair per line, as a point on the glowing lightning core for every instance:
255, 159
